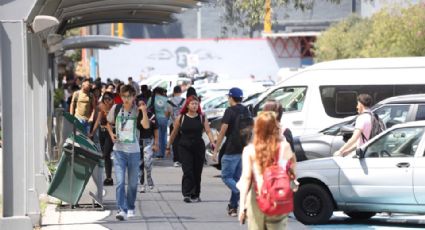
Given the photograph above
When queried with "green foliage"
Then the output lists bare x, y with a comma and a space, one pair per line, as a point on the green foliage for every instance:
58, 97
392, 32
74, 55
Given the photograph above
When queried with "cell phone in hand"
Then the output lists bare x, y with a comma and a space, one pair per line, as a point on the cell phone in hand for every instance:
244, 217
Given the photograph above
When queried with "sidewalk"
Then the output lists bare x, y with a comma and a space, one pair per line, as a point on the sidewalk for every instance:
160, 209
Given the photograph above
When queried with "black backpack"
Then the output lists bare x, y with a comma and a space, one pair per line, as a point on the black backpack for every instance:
378, 126
242, 129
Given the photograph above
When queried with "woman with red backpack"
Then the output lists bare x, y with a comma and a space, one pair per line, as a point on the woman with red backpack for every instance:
269, 158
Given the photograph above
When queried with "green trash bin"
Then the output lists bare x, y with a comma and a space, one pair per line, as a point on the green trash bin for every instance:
71, 178
70, 121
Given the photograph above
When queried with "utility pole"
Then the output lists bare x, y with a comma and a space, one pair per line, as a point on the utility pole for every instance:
268, 17
120, 30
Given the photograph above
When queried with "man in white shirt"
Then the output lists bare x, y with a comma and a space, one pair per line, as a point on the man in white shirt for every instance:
363, 126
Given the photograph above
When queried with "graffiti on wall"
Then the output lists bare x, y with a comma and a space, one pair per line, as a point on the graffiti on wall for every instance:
181, 55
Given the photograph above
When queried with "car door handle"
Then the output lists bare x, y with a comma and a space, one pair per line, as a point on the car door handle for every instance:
297, 122
403, 165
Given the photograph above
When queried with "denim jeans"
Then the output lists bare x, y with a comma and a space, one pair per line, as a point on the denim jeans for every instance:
162, 133
231, 170
85, 124
122, 161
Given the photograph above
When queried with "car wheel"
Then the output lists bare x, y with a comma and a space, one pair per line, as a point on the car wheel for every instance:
360, 215
313, 204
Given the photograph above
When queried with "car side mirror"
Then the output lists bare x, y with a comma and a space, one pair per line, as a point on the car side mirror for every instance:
360, 153
347, 132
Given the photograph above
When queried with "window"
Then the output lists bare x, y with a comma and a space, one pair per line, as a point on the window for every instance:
345, 102
393, 114
420, 115
340, 101
291, 98
401, 142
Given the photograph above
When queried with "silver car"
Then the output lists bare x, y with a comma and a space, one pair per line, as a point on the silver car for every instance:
394, 110
385, 175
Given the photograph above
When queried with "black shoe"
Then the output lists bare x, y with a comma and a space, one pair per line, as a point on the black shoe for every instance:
195, 199
108, 182
187, 199
232, 211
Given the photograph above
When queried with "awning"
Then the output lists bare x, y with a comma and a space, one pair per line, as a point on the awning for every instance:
77, 13
93, 42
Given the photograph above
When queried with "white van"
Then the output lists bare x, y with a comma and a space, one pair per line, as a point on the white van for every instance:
323, 94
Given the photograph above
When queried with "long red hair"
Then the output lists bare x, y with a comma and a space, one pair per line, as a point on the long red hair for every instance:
267, 139
184, 109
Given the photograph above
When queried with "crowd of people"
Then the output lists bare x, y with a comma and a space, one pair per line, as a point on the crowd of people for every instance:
130, 124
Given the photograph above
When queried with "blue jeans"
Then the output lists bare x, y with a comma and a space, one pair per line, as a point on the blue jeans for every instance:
231, 170
122, 161
162, 133
85, 124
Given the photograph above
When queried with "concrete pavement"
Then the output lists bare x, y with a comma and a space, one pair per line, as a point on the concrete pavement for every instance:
160, 209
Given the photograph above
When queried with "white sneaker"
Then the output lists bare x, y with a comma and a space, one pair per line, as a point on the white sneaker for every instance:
121, 215
177, 164
151, 188
143, 189
131, 213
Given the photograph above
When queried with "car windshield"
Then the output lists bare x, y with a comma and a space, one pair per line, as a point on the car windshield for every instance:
334, 129
291, 98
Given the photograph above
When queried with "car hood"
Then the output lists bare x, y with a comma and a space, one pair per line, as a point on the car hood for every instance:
318, 164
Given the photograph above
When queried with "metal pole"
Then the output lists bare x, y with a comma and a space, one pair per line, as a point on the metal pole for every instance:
268, 17
74, 131
199, 23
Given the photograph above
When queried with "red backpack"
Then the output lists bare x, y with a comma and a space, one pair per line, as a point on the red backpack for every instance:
276, 195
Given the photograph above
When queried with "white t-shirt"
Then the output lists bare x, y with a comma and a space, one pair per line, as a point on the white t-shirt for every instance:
126, 129
364, 124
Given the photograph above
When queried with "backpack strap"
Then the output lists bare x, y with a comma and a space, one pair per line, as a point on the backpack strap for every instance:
181, 102
371, 123
74, 102
117, 110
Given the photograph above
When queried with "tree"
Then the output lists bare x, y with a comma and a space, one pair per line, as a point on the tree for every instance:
249, 14
392, 32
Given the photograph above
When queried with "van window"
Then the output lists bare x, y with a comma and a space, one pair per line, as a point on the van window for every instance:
345, 102
291, 98
340, 101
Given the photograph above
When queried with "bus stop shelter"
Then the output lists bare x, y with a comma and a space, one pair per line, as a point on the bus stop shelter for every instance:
28, 32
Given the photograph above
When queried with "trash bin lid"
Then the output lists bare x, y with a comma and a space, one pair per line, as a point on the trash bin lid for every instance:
83, 145
73, 120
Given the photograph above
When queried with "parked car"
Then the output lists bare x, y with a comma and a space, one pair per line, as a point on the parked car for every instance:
394, 110
385, 175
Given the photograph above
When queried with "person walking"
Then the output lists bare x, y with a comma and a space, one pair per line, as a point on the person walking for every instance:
134, 84
105, 140
159, 106
363, 126
176, 103
231, 165
268, 148
83, 105
126, 148
191, 123
148, 145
